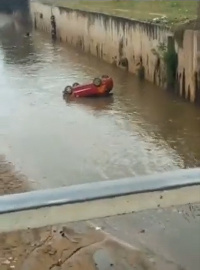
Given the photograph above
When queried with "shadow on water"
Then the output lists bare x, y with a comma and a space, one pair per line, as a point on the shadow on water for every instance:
95, 104
172, 119
17, 47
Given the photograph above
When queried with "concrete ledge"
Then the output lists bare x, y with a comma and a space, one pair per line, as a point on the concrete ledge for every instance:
97, 200
108, 16
99, 190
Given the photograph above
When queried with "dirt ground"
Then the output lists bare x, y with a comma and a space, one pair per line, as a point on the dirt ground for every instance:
75, 247
65, 248
10, 180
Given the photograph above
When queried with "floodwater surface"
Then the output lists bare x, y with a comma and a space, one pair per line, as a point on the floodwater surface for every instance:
140, 130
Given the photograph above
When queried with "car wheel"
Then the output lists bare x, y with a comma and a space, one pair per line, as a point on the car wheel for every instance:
104, 76
97, 82
75, 84
68, 90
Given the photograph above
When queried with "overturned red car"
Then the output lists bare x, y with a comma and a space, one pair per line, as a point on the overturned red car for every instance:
101, 86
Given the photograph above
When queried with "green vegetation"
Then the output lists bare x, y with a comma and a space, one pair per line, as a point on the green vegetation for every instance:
171, 61
169, 56
175, 12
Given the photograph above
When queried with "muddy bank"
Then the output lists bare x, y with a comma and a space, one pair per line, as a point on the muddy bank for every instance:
10, 180
62, 248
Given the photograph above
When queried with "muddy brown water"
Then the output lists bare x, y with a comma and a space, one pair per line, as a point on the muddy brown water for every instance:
142, 129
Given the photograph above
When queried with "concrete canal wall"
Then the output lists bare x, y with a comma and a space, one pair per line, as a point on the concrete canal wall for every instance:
145, 49
188, 70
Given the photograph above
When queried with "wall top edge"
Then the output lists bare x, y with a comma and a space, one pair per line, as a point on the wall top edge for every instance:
107, 16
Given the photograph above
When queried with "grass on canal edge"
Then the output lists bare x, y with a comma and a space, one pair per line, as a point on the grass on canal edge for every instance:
176, 12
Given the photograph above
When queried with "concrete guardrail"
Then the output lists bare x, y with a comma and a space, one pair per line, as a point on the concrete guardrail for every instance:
99, 199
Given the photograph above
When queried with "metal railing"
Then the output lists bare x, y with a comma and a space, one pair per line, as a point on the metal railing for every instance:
99, 199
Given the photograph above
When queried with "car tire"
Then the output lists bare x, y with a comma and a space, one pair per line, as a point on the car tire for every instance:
68, 90
75, 84
97, 82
